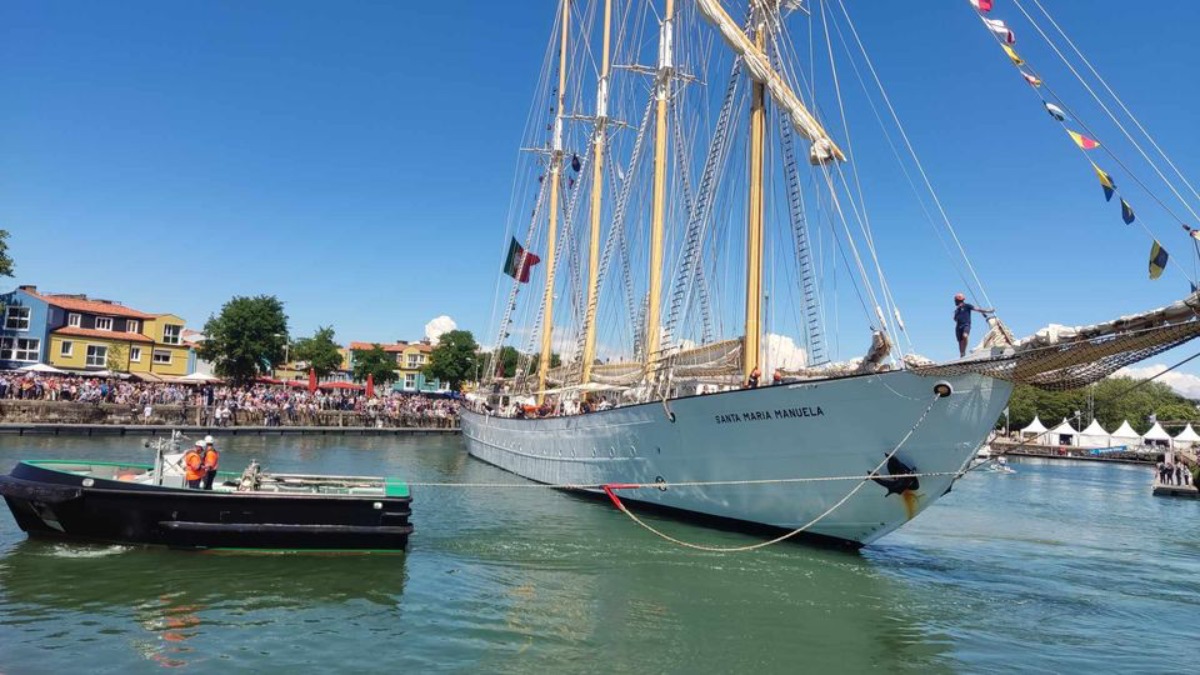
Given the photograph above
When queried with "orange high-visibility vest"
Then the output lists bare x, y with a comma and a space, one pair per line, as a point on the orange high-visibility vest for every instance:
211, 458
193, 464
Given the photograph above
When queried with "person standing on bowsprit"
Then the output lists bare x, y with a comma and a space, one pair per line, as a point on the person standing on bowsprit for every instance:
962, 321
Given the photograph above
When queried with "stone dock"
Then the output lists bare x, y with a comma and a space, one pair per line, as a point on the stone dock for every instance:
1182, 491
50, 429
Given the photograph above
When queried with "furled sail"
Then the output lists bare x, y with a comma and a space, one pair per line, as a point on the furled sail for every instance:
823, 148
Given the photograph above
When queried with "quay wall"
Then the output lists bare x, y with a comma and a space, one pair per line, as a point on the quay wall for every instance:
17, 413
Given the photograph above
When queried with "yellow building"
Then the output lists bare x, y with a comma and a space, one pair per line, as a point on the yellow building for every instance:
411, 359
90, 335
170, 355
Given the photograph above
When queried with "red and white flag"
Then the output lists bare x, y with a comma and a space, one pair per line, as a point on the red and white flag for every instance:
1001, 30
982, 5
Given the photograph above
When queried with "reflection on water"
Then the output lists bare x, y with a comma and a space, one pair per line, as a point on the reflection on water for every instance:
1009, 572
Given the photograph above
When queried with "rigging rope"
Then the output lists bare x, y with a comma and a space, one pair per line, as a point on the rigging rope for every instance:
1117, 99
1108, 112
913, 153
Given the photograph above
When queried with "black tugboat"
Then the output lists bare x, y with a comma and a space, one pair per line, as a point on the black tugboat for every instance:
256, 510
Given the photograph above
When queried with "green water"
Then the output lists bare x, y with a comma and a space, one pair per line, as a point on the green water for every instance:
1060, 567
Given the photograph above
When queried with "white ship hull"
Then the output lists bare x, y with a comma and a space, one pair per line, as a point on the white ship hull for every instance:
840, 427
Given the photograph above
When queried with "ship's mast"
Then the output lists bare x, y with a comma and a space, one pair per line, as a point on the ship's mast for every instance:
751, 349
658, 207
556, 157
589, 340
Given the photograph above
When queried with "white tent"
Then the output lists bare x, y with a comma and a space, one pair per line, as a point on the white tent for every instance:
198, 377
1094, 436
1187, 438
1125, 435
1063, 434
1157, 436
1034, 430
41, 368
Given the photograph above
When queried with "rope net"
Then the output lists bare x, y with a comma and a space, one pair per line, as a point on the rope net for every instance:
1059, 358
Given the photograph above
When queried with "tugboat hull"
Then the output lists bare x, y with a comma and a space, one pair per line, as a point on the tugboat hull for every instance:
52, 503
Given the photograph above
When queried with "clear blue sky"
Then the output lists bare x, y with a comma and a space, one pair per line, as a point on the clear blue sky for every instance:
355, 158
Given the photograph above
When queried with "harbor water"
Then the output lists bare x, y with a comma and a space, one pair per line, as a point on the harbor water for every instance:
1058, 567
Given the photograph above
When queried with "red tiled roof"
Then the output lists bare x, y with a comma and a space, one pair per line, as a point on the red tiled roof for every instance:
368, 346
91, 306
102, 334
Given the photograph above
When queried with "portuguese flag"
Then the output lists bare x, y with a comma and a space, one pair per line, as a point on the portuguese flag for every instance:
519, 262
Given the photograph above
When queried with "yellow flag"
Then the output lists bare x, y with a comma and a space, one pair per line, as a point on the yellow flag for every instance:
1012, 54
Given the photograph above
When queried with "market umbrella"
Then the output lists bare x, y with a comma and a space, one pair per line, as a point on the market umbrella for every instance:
312, 380
41, 368
370, 385
199, 378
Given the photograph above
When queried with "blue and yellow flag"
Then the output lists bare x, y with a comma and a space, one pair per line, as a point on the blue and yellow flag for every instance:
1126, 212
1158, 260
1106, 182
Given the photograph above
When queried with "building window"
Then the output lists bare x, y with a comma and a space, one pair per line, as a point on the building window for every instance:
162, 356
65, 348
135, 354
103, 323
171, 334
74, 320
17, 318
132, 326
20, 349
410, 381
413, 361
97, 356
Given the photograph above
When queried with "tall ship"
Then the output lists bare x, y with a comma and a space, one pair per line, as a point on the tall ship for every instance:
689, 220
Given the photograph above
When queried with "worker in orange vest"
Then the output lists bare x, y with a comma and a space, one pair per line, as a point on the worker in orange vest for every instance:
193, 465
211, 459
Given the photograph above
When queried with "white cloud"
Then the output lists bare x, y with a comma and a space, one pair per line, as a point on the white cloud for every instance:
783, 352
1185, 384
441, 324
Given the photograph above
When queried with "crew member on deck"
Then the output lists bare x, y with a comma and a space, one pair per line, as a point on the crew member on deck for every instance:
212, 458
193, 465
752, 381
962, 321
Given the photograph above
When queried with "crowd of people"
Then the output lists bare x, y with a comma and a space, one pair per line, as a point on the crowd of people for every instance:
227, 405
1174, 473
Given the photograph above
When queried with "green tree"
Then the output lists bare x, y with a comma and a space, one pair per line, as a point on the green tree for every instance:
375, 361
6, 263
117, 360
247, 338
507, 366
320, 351
1113, 399
555, 361
453, 359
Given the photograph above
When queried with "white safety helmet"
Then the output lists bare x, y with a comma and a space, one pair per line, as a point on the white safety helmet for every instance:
199, 444
208, 440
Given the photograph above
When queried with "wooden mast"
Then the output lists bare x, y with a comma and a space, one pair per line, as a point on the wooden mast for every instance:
556, 157
589, 339
658, 208
751, 348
